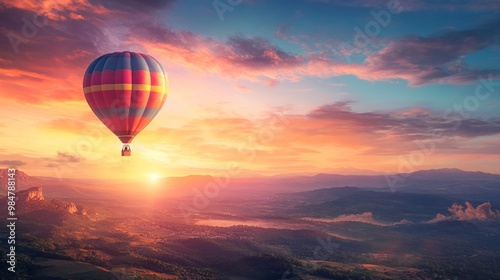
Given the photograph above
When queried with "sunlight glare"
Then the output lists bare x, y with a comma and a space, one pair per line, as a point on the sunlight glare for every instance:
153, 177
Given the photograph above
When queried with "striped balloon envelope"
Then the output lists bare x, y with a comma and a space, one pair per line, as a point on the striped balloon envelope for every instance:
125, 90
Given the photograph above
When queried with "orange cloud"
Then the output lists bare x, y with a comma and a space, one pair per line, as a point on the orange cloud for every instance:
328, 133
482, 212
49, 66
58, 10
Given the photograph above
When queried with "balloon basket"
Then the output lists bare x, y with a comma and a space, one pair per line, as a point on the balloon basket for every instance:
126, 151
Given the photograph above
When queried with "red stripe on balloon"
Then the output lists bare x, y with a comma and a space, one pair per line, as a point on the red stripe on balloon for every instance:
87, 80
157, 79
154, 100
124, 76
141, 77
98, 100
140, 98
108, 98
95, 79
107, 77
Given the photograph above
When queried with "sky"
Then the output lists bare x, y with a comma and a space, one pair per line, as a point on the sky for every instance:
257, 88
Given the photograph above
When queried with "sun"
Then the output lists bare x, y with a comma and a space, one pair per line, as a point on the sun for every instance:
153, 177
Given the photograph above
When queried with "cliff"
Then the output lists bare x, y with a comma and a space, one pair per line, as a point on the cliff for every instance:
32, 194
33, 199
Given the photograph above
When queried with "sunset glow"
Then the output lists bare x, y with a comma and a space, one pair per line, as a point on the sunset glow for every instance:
281, 97
153, 177
250, 139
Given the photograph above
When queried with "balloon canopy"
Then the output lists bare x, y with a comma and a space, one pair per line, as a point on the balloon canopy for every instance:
125, 90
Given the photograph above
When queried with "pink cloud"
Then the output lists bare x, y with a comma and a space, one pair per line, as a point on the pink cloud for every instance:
61, 50
418, 60
318, 133
55, 10
482, 212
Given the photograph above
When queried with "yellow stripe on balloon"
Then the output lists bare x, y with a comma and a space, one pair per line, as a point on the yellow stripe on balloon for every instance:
160, 89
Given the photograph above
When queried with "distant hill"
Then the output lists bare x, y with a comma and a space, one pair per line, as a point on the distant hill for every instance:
52, 187
23, 181
455, 183
452, 174
463, 184
320, 195
389, 206
436, 181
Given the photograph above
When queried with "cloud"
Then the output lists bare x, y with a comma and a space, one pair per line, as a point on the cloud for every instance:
77, 31
329, 133
272, 83
257, 52
47, 67
438, 58
239, 57
482, 212
66, 125
434, 59
360, 3
12, 163
135, 5
419, 60
412, 124
366, 217
454, 5
67, 157
417, 5
55, 10
478, 127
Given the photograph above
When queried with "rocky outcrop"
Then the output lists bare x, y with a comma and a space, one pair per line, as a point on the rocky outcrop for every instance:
35, 194
32, 194
81, 210
71, 208
65, 206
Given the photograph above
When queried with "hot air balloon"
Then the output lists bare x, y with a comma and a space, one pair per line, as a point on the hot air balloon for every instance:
125, 90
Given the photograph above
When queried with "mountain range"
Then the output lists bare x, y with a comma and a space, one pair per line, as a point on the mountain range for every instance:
435, 224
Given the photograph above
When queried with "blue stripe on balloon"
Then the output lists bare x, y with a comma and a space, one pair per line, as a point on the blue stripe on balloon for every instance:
138, 63
150, 112
126, 112
100, 64
94, 63
110, 63
153, 65
125, 60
